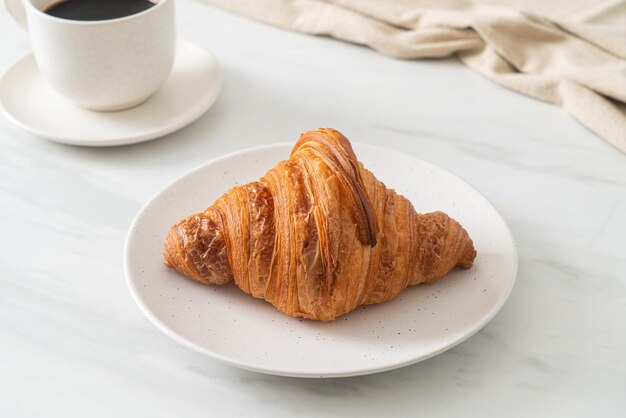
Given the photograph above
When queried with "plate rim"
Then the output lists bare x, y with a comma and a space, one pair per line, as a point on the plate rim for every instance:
117, 140
134, 291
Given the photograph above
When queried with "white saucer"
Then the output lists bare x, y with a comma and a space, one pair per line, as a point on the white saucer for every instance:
225, 323
192, 87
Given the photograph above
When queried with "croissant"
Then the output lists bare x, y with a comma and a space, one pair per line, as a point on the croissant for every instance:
317, 236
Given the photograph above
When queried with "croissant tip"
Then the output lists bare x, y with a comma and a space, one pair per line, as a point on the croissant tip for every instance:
169, 248
468, 260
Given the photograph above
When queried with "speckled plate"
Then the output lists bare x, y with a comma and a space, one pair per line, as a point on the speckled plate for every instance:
228, 325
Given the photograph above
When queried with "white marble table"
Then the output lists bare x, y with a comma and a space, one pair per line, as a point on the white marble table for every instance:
73, 343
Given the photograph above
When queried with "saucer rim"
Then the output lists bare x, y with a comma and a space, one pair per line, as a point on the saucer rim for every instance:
202, 107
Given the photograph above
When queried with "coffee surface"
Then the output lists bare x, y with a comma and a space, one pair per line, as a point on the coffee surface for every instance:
97, 9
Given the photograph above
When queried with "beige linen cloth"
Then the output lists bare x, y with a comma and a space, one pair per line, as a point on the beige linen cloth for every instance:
568, 52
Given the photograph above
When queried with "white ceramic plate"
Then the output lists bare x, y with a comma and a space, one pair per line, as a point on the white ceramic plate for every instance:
29, 102
231, 326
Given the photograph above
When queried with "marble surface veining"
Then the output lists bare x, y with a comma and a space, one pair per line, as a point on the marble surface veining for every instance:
74, 344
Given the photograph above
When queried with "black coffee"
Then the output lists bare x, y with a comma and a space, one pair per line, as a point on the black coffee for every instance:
97, 9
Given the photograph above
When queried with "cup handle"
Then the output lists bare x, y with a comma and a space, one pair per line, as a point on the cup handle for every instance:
16, 9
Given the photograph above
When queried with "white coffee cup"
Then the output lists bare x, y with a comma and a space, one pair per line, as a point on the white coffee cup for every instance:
102, 65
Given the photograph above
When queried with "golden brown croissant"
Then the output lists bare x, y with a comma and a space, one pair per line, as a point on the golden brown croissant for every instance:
317, 236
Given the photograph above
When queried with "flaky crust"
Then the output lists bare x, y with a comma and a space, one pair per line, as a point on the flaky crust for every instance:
317, 236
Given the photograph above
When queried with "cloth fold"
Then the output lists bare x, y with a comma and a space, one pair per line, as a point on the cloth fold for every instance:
577, 62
